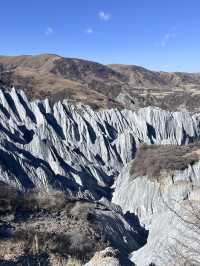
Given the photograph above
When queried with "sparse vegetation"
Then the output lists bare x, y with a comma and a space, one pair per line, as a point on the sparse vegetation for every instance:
73, 262
73, 244
56, 78
48, 223
151, 160
11, 200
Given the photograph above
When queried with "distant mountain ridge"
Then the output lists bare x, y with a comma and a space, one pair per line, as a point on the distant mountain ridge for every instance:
100, 86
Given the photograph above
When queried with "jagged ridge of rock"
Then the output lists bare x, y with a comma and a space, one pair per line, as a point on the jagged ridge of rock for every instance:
82, 151
98, 85
75, 148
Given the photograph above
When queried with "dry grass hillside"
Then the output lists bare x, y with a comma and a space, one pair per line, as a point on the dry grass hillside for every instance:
46, 229
151, 160
56, 77
99, 85
51, 228
170, 91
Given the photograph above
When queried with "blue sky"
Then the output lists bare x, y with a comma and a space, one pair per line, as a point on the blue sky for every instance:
157, 34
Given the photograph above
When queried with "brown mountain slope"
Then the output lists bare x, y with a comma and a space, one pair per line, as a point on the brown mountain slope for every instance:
171, 91
98, 85
139, 76
57, 77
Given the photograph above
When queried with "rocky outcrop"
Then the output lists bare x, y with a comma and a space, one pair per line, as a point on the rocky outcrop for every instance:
162, 204
107, 257
173, 237
146, 197
75, 148
88, 154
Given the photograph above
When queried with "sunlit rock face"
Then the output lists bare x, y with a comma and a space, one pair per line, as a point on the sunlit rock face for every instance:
88, 153
76, 148
167, 207
146, 197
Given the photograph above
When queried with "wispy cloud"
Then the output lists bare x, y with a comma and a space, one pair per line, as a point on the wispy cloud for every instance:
49, 31
104, 16
167, 38
89, 31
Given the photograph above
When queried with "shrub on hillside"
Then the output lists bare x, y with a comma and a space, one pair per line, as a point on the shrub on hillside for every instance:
151, 160
75, 244
11, 200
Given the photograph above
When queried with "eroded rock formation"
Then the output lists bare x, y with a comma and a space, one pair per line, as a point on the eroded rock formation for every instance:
88, 154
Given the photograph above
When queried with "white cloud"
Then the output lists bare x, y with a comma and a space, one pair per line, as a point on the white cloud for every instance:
49, 31
89, 31
167, 38
104, 16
